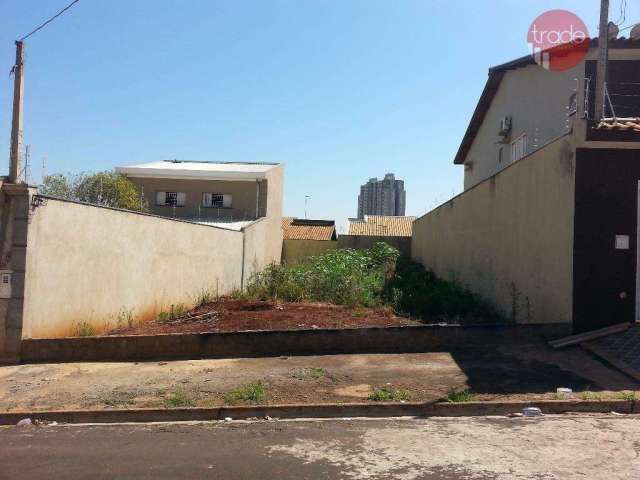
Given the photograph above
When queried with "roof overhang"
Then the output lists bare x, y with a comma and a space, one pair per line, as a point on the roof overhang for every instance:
190, 175
488, 93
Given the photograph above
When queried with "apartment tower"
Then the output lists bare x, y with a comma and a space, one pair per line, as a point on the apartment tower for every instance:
382, 197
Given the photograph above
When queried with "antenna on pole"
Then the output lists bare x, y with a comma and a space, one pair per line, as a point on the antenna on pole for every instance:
27, 156
44, 169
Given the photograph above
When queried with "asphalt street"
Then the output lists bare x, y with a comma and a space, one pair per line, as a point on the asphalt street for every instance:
551, 447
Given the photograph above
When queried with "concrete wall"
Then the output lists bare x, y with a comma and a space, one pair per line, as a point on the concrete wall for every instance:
263, 238
286, 342
245, 195
362, 242
98, 265
510, 238
295, 251
14, 212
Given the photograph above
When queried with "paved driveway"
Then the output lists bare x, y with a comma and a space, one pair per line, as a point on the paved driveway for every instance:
553, 447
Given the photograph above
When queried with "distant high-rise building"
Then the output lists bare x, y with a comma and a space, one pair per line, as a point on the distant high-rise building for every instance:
382, 197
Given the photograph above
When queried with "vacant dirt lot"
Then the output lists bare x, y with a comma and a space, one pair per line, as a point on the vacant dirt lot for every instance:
523, 372
233, 315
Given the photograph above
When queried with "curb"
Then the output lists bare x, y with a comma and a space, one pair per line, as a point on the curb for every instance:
434, 409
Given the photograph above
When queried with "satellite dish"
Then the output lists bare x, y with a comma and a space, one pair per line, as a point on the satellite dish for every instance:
635, 32
612, 32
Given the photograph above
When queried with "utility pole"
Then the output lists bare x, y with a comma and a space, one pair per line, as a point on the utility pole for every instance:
603, 60
16, 124
306, 198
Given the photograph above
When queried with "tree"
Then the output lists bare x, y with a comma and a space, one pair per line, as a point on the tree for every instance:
110, 189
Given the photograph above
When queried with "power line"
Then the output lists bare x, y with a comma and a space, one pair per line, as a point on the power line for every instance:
623, 13
50, 20
627, 27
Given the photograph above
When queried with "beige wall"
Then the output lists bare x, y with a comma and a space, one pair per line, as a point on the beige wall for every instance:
295, 251
92, 264
262, 246
510, 238
263, 238
275, 191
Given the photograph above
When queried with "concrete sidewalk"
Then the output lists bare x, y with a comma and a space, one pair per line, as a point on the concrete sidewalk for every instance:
510, 373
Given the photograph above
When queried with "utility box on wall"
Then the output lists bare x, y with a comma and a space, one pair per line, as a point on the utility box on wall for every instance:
5, 283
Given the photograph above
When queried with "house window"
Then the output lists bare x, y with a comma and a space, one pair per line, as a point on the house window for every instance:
518, 148
500, 154
171, 199
216, 200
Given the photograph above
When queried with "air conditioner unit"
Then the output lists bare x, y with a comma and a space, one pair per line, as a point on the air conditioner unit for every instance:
504, 129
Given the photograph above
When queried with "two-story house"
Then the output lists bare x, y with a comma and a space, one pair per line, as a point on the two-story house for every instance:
547, 225
209, 192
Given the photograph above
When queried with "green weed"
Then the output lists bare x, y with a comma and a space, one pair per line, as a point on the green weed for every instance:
372, 278
629, 396
459, 396
83, 329
342, 277
118, 398
420, 293
205, 296
587, 395
252, 393
175, 311
313, 373
386, 394
125, 318
178, 399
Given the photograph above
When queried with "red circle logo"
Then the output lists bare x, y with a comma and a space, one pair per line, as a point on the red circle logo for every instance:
558, 39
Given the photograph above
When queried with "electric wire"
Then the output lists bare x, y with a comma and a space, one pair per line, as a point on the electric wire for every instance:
49, 21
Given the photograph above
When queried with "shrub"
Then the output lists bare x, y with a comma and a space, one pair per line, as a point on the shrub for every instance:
343, 277
420, 293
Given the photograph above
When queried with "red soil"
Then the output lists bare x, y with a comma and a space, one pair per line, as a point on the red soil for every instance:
234, 315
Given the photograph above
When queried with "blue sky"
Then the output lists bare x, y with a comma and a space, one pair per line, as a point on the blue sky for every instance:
339, 90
